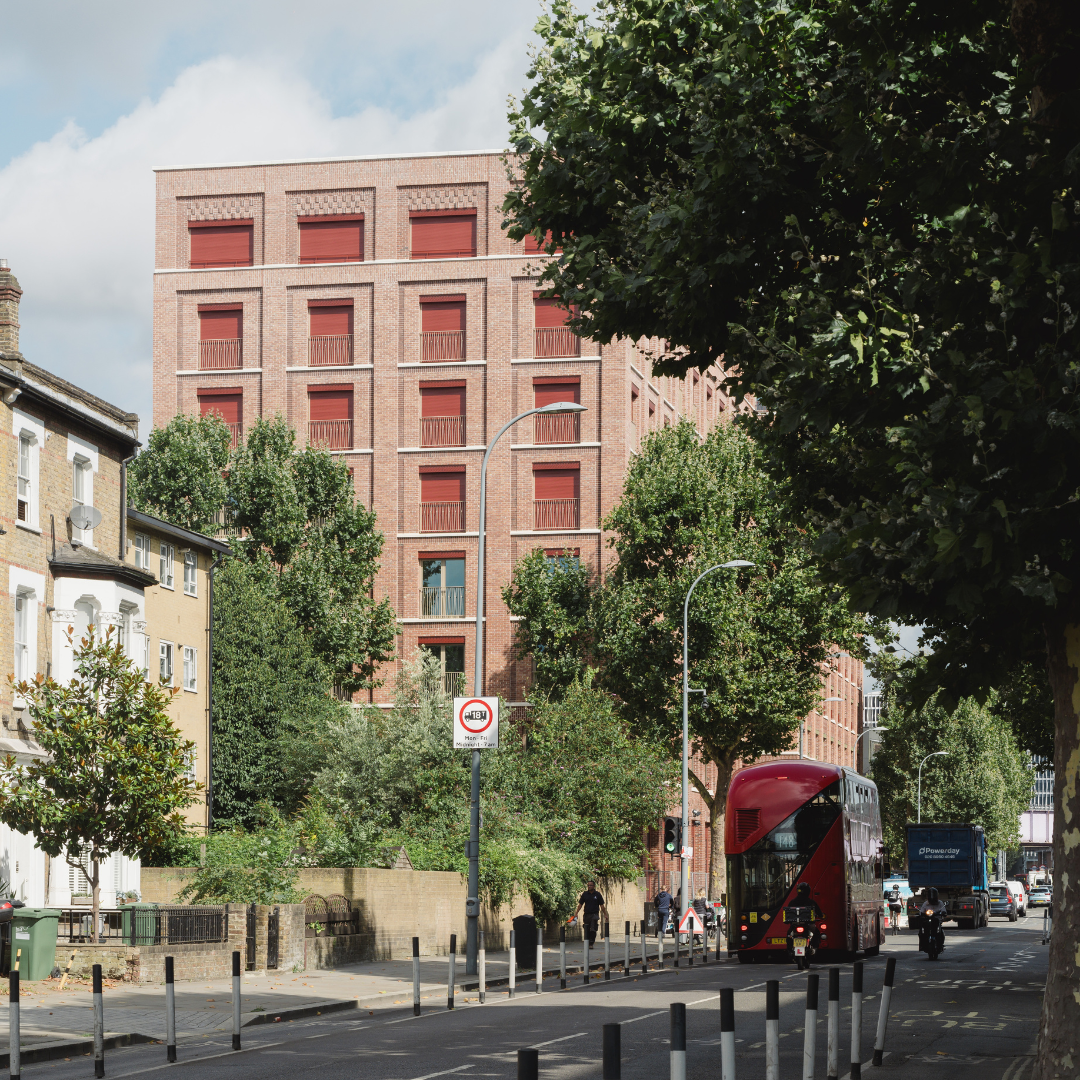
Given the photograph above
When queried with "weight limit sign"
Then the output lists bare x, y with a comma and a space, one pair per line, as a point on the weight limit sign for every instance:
476, 723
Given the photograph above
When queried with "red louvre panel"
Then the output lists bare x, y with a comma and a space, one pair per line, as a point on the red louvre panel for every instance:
548, 313
219, 325
442, 487
442, 400
549, 393
444, 236
337, 240
557, 483
533, 246
222, 245
446, 315
228, 406
440, 641
554, 553
330, 403
330, 320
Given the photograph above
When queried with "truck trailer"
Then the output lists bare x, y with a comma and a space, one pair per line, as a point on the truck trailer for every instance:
951, 858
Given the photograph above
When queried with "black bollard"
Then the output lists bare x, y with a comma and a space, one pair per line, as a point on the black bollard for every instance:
612, 1052
14, 1057
678, 1040
772, 1030
856, 1021
452, 972
833, 1059
810, 1026
883, 1014
236, 1000
99, 1025
170, 1011
528, 1065
727, 1033
416, 978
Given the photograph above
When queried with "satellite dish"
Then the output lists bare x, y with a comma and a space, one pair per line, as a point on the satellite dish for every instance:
85, 517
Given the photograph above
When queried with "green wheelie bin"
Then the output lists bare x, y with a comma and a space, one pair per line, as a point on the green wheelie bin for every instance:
33, 930
141, 924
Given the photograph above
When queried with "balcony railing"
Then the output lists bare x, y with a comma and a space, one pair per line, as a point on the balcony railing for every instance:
439, 345
443, 603
442, 430
330, 434
330, 350
557, 513
236, 432
557, 428
556, 341
442, 517
220, 354
454, 683
225, 522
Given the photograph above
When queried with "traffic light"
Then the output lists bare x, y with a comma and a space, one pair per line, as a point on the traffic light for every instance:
672, 835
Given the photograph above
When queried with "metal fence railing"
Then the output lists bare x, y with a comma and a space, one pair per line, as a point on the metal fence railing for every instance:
149, 925
330, 916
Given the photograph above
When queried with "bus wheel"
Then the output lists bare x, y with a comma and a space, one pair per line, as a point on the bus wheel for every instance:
746, 958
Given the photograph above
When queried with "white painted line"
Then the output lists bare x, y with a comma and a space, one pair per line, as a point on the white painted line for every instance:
644, 1016
533, 1046
445, 1072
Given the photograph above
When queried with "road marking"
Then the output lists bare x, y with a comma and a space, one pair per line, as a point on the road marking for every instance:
533, 1046
644, 1016
445, 1072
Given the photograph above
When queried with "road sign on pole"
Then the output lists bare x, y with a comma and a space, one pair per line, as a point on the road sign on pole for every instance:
476, 723
691, 922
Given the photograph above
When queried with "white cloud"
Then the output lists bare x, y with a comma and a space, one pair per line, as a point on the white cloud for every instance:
76, 213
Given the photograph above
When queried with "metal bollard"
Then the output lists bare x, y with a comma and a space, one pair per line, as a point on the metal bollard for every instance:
528, 1065
607, 952
612, 1068
452, 973
810, 1027
99, 1026
856, 1022
481, 966
15, 1063
585, 952
416, 975
727, 1033
644, 952
562, 957
883, 1013
170, 1011
236, 1000
660, 950
833, 1060
678, 1041
626, 943
677, 945
539, 958
513, 966
772, 1030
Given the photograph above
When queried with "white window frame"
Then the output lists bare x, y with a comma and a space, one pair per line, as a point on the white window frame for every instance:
166, 565
142, 551
22, 630
166, 663
84, 460
191, 668
191, 573
31, 432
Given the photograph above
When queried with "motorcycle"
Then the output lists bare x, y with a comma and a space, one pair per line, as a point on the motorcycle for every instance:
804, 937
932, 934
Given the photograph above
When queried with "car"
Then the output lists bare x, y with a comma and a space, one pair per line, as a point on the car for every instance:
1020, 894
1002, 901
1039, 896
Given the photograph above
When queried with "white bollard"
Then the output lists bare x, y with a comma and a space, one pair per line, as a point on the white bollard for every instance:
833, 1059
810, 1027
772, 1030
856, 1021
883, 1013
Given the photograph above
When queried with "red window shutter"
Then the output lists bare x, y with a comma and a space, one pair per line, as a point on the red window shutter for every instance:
221, 325
548, 313
332, 239
534, 247
549, 393
443, 236
440, 640
442, 400
557, 483
330, 402
330, 320
442, 486
442, 315
230, 406
429, 555
222, 245
554, 553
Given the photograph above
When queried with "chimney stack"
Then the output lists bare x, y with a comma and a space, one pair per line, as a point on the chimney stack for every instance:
10, 294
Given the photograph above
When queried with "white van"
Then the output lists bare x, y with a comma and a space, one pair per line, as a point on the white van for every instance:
1017, 889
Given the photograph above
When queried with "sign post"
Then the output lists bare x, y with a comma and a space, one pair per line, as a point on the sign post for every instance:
476, 723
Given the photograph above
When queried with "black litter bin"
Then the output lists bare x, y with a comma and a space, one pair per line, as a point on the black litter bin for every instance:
525, 940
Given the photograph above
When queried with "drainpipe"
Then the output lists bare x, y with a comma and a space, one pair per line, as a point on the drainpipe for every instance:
123, 506
210, 703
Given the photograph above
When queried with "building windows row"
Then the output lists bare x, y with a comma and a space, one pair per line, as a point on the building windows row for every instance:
189, 669
148, 550
330, 332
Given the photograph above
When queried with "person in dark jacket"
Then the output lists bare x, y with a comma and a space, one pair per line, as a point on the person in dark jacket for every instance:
593, 903
662, 902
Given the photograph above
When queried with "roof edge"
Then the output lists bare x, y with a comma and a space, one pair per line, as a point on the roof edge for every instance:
177, 531
323, 160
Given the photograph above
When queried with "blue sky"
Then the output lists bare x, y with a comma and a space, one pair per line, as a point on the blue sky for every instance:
95, 95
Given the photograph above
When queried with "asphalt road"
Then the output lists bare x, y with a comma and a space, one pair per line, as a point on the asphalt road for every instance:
971, 1015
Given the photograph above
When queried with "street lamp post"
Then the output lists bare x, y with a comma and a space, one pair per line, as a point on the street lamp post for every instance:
472, 901
936, 753
733, 565
868, 731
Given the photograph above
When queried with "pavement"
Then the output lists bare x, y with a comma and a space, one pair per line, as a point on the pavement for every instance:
972, 1015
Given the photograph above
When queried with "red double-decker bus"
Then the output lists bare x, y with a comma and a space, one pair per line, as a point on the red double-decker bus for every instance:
795, 822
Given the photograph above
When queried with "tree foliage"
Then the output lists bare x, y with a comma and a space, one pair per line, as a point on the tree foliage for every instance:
759, 638
115, 772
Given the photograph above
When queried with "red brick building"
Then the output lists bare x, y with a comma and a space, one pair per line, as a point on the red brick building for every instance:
379, 305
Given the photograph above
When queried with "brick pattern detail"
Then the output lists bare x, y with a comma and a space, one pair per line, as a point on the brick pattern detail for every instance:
443, 197
223, 208
314, 203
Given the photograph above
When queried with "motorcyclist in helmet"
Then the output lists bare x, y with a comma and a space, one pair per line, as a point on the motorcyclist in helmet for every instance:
933, 905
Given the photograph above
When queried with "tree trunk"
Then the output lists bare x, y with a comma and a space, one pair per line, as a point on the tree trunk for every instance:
718, 854
1058, 1051
95, 886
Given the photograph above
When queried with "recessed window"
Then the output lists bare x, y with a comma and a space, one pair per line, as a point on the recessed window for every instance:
330, 417
330, 333
442, 413
191, 569
332, 238
443, 234
450, 652
165, 662
190, 668
222, 243
23, 665
553, 338
142, 551
442, 499
557, 491
166, 556
442, 328
556, 427
26, 478
228, 403
442, 585
221, 336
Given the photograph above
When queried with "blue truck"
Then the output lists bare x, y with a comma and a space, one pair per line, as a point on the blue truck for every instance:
951, 858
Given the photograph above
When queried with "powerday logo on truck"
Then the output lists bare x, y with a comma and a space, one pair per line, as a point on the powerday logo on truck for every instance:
938, 853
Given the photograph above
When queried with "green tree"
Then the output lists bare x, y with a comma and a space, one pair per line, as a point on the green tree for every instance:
179, 477
869, 210
115, 772
271, 693
759, 639
298, 507
552, 597
986, 778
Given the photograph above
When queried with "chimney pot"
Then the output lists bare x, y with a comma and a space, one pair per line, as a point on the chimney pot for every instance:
10, 295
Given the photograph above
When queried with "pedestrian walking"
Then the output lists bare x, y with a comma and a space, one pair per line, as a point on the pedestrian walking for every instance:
593, 903
662, 903
701, 906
